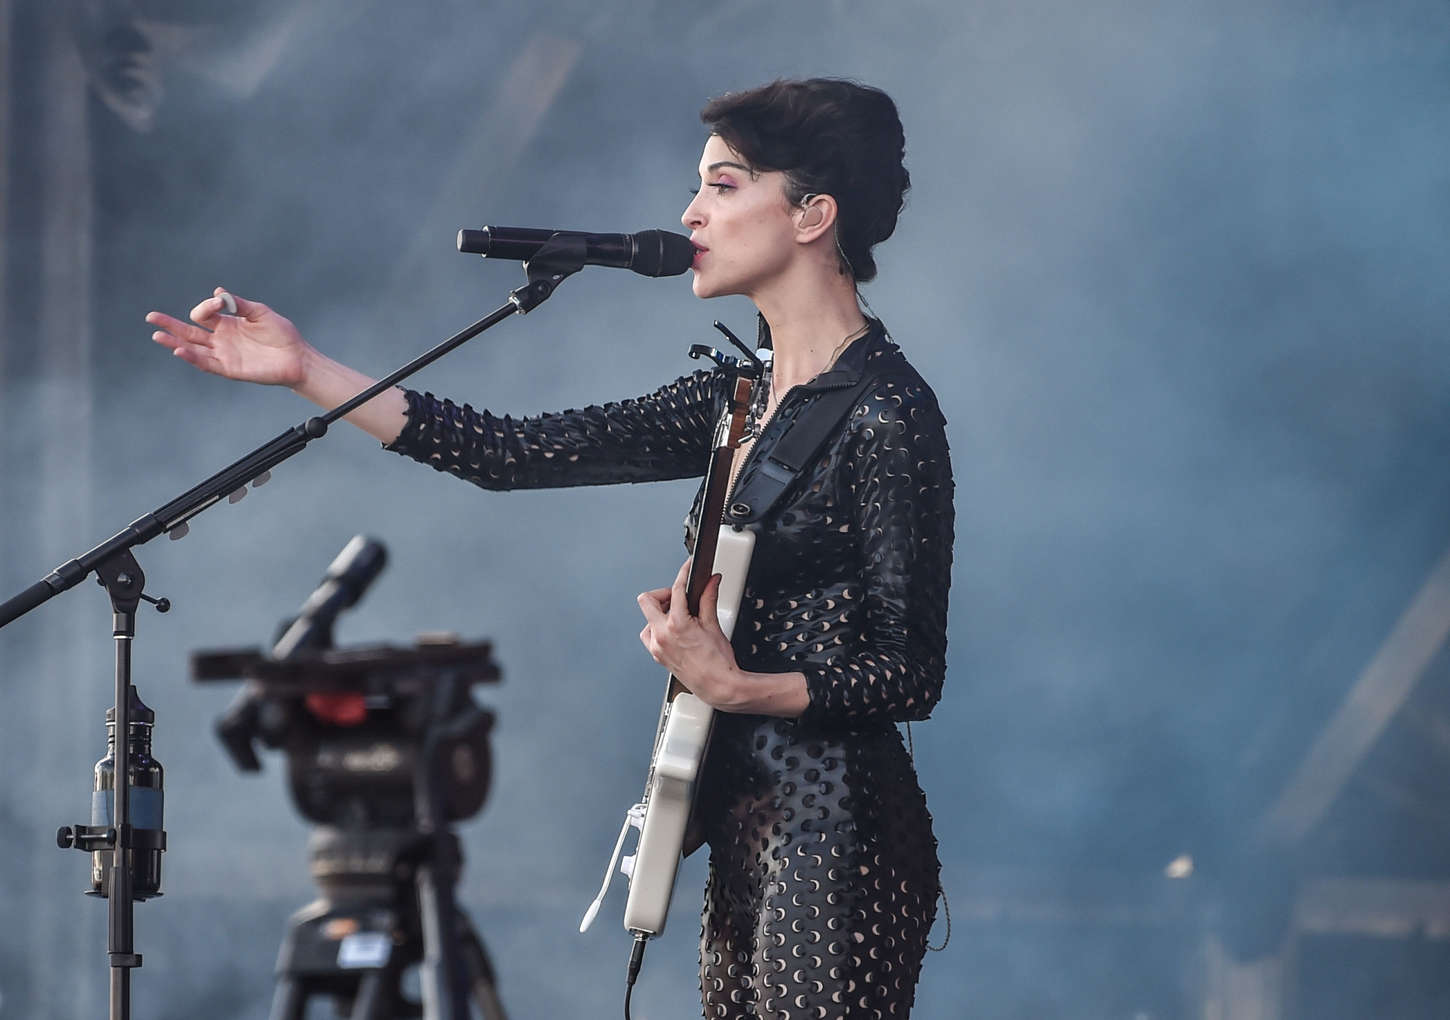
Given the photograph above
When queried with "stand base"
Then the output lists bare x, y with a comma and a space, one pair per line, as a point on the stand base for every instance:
362, 972
355, 944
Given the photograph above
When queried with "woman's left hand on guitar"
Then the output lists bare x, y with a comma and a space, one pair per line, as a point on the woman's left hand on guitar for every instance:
693, 648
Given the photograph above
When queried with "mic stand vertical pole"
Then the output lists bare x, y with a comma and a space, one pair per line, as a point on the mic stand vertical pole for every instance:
122, 577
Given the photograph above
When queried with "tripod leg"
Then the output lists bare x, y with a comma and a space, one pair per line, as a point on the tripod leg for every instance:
372, 1003
479, 967
440, 973
289, 1002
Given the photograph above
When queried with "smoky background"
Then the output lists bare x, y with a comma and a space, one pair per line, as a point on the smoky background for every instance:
1176, 272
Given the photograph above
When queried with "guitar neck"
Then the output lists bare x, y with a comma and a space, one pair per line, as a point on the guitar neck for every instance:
717, 490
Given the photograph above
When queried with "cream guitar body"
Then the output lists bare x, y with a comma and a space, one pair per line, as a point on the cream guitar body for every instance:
683, 734
684, 737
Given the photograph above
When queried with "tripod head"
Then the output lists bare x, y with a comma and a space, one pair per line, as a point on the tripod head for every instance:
359, 769
359, 725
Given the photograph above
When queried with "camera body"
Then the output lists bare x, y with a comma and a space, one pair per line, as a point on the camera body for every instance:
366, 729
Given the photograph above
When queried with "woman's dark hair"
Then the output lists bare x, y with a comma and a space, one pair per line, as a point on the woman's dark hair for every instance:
830, 137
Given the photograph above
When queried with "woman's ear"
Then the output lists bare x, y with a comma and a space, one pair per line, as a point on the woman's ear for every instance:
818, 215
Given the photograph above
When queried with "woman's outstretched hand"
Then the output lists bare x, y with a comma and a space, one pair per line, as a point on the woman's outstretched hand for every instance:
254, 345
257, 345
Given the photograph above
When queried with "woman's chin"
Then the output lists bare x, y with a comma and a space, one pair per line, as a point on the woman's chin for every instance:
707, 287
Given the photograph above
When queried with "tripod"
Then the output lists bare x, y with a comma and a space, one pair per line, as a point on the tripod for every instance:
380, 909
385, 749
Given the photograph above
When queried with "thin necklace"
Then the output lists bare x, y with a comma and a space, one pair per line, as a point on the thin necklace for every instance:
830, 363
756, 417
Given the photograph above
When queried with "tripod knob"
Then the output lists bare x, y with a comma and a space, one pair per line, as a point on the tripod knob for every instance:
65, 838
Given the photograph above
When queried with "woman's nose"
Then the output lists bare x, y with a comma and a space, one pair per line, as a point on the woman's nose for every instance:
691, 217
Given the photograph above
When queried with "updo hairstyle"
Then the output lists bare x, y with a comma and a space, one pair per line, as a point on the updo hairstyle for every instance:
830, 137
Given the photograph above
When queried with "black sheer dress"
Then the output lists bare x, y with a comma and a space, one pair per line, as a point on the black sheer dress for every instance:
823, 866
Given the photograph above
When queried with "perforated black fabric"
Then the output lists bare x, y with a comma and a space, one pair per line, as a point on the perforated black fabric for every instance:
664, 435
823, 876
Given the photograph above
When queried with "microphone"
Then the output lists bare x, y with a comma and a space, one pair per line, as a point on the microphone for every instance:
359, 563
649, 252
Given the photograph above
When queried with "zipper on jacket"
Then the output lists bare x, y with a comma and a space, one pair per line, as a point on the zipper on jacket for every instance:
750, 454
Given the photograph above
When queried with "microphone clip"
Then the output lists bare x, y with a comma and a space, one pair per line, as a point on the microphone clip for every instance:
750, 365
559, 258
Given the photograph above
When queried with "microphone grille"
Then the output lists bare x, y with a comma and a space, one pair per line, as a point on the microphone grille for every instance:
662, 253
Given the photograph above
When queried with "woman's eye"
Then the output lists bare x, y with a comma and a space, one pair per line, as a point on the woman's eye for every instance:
720, 186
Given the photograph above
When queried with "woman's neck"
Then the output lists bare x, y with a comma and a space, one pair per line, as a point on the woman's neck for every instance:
809, 320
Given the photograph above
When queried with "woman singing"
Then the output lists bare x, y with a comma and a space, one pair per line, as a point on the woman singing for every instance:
823, 866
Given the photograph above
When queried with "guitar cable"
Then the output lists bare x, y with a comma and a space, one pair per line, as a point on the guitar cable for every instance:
636, 959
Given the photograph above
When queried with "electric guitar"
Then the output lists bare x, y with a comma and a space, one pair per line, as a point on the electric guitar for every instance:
683, 735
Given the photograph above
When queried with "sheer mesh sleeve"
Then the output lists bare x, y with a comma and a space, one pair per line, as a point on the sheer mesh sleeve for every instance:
663, 435
898, 477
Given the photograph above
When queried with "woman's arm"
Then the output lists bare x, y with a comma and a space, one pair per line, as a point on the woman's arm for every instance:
662, 435
665, 434
900, 490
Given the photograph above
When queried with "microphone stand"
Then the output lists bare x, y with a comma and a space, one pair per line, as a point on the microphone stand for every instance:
117, 570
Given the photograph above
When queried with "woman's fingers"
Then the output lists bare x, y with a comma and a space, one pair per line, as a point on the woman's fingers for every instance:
182, 331
197, 356
191, 344
207, 310
654, 615
234, 338
647, 638
679, 601
660, 597
176, 342
710, 602
162, 337
250, 310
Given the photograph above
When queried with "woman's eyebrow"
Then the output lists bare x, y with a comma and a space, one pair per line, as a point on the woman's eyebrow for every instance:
725, 162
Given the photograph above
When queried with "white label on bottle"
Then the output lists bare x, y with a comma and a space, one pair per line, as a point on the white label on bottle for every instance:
364, 949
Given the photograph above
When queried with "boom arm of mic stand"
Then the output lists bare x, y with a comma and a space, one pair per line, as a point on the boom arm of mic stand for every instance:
547, 270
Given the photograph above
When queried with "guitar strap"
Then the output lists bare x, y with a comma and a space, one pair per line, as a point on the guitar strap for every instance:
782, 464
769, 478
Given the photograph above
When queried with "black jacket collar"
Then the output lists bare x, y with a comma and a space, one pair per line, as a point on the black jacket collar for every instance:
848, 367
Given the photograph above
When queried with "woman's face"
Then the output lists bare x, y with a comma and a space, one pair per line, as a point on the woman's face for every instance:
740, 224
